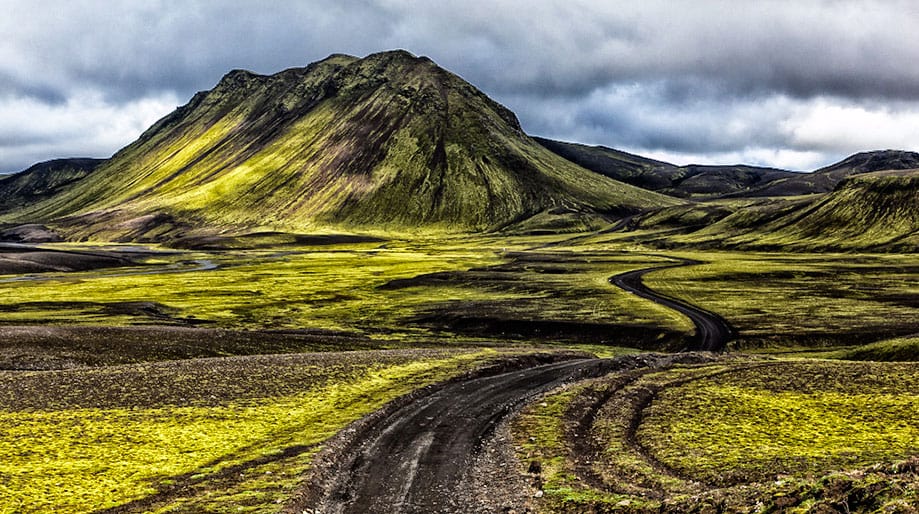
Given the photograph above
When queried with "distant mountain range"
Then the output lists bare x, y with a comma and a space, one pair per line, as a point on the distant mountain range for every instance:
394, 143
705, 181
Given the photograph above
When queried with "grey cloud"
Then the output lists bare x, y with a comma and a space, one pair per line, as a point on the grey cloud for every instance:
693, 68
131, 49
844, 48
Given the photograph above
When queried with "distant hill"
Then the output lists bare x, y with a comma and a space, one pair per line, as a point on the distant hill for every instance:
387, 142
826, 179
867, 211
43, 180
867, 162
693, 181
737, 181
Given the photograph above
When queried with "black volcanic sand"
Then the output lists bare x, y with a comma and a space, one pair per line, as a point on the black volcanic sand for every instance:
258, 240
200, 382
17, 258
62, 347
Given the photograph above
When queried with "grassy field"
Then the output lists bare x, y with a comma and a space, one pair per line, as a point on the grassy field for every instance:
389, 294
888, 350
790, 418
801, 300
203, 434
535, 289
735, 434
313, 287
217, 435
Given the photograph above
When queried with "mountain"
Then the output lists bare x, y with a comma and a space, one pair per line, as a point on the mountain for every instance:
866, 211
387, 142
633, 169
738, 181
867, 162
693, 181
43, 180
826, 179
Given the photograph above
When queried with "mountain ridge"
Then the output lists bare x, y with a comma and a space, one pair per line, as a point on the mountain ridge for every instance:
43, 180
704, 181
394, 143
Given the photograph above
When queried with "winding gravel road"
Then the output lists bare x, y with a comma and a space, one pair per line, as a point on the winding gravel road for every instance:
417, 458
713, 333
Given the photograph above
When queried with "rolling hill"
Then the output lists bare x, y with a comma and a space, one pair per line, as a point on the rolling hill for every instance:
43, 180
693, 181
869, 211
826, 179
387, 142
737, 181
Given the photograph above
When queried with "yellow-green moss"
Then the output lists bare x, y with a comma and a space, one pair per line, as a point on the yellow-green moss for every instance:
78, 460
790, 418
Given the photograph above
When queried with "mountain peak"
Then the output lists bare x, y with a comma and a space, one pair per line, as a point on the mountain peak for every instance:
395, 55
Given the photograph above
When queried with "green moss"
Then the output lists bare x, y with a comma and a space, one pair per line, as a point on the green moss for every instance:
785, 419
344, 288
864, 212
80, 459
798, 300
539, 432
808, 436
310, 288
897, 349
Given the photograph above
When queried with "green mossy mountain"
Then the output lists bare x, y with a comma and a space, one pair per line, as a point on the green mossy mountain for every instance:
868, 211
387, 142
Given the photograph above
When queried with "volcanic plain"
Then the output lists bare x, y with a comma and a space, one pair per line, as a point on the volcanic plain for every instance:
359, 286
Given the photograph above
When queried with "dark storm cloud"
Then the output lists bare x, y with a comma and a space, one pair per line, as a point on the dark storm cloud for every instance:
747, 48
130, 49
714, 79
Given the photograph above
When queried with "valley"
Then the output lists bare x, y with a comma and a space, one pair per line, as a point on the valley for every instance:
360, 286
483, 299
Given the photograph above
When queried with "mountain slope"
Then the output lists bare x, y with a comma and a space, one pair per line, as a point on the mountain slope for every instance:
871, 211
693, 181
390, 141
43, 180
826, 179
706, 181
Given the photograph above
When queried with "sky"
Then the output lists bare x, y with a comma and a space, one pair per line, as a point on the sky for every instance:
788, 84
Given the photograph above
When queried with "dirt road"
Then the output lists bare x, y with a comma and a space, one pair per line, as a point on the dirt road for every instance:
418, 457
415, 459
713, 333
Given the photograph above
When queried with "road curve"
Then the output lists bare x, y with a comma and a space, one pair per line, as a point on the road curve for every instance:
415, 459
713, 332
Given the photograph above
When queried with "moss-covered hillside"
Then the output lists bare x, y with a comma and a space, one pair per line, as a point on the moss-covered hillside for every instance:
874, 211
387, 142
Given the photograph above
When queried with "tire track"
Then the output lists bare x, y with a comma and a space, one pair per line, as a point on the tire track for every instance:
416, 458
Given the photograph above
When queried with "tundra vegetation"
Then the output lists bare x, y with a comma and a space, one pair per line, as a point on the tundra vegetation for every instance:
159, 330
218, 435
732, 434
206, 434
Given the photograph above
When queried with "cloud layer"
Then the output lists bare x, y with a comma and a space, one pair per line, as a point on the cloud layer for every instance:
792, 84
